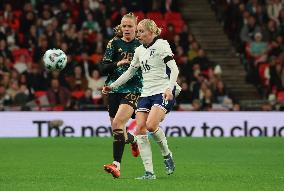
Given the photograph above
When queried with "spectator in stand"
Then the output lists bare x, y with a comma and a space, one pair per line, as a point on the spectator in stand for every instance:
199, 88
3, 66
86, 101
281, 21
170, 33
196, 105
21, 65
236, 107
35, 78
116, 18
91, 24
276, 72
78, 41
27, 19
221, 92
4, 50
68, 25
11, 39
5, 98
185, 94
179, 55
72, 105
40, 49
193, 50
83, 12
251, 6
232, 19
22, 96
276, 46
96, 83
203, 61
57, 94
249, 30
207, 100
108, 29
85, 62
55, 74
13, 89
78, 81
175, 43
266, 107
258, 51
102, 14
30, 40
258, 48
273, 9
271, 31
64, 13
185, 38
5, 79
14, 75
261, 15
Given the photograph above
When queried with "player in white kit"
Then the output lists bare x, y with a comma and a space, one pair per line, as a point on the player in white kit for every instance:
160, 72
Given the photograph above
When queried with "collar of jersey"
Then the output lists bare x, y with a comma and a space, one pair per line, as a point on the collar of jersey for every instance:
154, 40
128, 41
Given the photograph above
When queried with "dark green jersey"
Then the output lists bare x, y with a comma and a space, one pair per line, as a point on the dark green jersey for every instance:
118, 49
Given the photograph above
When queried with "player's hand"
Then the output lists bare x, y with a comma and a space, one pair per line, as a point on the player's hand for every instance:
123, 62
106, 89
168, 95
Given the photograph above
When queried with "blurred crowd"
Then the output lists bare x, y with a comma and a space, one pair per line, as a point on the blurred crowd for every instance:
82, 28
256, 29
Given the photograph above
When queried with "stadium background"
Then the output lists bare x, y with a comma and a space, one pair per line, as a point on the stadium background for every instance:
230, 56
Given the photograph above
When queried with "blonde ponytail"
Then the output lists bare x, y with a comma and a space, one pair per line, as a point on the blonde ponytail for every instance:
151, 26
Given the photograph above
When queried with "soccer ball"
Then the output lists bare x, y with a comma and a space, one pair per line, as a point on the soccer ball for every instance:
54, 59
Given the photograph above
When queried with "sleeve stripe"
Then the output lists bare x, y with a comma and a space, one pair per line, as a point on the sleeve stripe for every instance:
168, 58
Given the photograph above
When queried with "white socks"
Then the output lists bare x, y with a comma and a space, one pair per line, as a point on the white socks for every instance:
145, 152
160, 138
117, 164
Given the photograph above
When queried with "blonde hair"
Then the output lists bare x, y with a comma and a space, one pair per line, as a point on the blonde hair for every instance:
117, 29
151, 26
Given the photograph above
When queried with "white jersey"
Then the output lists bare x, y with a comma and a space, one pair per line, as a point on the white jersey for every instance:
156, 64
154, 70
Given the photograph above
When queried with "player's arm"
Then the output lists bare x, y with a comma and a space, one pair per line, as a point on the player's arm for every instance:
107, 65
174, 72
168, 59
127, 75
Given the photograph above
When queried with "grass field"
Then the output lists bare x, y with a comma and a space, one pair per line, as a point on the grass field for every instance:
221, 164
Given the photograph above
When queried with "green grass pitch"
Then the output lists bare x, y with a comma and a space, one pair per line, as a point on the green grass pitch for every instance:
75, 164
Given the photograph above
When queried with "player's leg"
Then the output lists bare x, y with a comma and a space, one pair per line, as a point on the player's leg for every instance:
131, 99
118, 136
122, 116
156, 115
144, 145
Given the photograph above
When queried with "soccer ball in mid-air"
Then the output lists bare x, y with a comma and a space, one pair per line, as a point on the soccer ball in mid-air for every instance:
54, 59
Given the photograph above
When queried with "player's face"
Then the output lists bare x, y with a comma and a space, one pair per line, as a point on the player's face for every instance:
128, 28
144, 35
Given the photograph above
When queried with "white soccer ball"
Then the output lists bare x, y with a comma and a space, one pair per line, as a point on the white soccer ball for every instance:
54, 59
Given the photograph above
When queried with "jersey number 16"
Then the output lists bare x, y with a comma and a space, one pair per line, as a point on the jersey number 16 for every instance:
146, 67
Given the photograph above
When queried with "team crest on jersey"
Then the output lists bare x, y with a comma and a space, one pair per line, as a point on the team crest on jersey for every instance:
152, 51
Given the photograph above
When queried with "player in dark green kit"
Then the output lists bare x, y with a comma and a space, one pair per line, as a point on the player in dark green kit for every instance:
122, 101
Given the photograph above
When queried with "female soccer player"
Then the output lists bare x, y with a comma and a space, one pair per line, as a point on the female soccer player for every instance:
123, 100
154, 57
